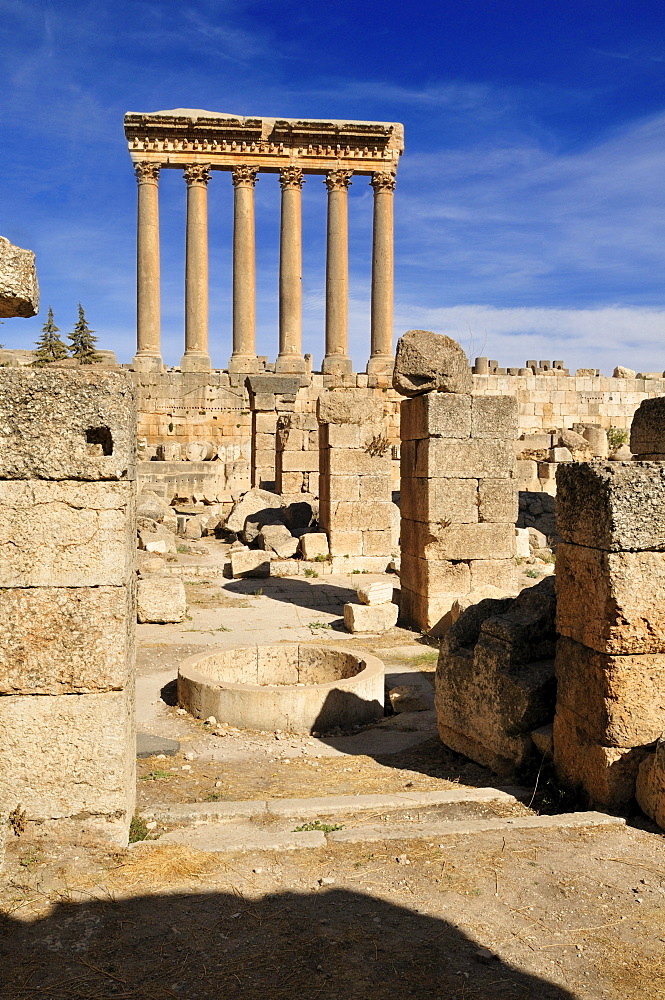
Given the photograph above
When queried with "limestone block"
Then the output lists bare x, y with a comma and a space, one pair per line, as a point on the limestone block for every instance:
647, 431
152, 507
430, 614
69, 761
278, 539
650, 785
347, 462
365, 618
498, 500
59, 640
291, 482
562, 455
345, 542
621, 372
378, 543
607, 774
376, 592
477, 458
313, 544
300, 461
347, 406
457, 541
68, 534
158, 539
410, 698
613, 602
615, 700
341, 487
537, 540
494, 417
522, 543
63, 424
255, 522
436, 414
432, 577
425, 361
434, 499
250, 562
300, 515
19, 291
526, 470
612, 505
372, 515
252, 502
498, 573
161, 599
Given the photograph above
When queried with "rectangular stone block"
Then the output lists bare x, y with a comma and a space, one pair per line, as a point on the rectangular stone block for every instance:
499, 573
369, 515
377, 543
290, 482
433, 578
67, 534
348, 462
475, 458
455, 500
59, 640
498, 500
343, 435
345, 543
375, 488
613, 602
336, 488
494, 417
616, 700
62, 425
70, 757
300, 461
427, 614
435, 414
606, 774
457, 541
612, 505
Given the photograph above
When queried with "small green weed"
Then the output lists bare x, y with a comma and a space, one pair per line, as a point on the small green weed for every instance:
138, 830
213, 797
532, 573
322, 558
616, 436
548, 557
319, 625
258, 592
355, 571
30, 858
311, 572
318, 825
158, 775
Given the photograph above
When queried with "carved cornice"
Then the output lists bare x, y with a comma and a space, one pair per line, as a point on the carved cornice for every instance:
197, 174
338, 180
244, 176
383, 180
291, 177
146, 172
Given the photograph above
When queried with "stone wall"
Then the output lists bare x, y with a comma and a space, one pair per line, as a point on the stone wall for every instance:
67, 596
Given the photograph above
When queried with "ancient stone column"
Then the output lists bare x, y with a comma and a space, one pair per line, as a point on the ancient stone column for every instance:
147, 357
381, 359
196, 357
337, 360
290, 357
244, 357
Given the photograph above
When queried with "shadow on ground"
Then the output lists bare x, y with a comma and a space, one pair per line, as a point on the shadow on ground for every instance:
290, 590
334, 944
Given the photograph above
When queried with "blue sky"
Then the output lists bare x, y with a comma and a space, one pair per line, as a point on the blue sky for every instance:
530, 203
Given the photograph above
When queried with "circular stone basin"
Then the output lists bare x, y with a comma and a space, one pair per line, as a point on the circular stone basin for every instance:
293, 687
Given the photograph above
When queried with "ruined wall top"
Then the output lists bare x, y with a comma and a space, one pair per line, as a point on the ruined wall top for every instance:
183, 135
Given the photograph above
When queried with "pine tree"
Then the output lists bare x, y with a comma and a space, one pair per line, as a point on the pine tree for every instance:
82, 341
49, 346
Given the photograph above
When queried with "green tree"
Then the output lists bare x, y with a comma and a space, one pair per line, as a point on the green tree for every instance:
82, 341
49, 346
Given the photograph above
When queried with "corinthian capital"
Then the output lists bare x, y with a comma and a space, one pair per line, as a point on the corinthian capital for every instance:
338, 180
383, 180
244, 176
197, 174
291, 177
147, 172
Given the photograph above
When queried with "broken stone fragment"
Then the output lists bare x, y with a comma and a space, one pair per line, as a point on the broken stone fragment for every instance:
427, 361
347, 406
250, 562
647, 432
621, 372
313, 544
250, 503
410, 698
161, 599
650, 786
19, 291
278, 539
378, 592
375, 619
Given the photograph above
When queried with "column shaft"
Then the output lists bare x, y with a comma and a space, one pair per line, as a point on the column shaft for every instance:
196, 357
290, 357
337, 361
148, 355
381, 360
244, 357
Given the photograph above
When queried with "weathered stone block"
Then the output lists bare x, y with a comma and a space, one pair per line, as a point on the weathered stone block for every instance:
68, 534
650, 785
254, 501
58, 640
430, 614
69, 761
425, 361
436, 414
375, 488
606, 774
300, 461
613, 602
346, 462
376, 592
494, 417
378, 543
345, 542
437, 499
347, 406
250, 562
475, 458
341, 488
19, 292
67, 425
647, 431
372, 515
616, 700
367, 618
278, 539
498, 573
457, 541
432, 577
596, 505
313, 544
161, 599
498, 500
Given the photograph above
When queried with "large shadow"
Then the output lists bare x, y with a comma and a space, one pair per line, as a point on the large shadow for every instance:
334, 945
292, 590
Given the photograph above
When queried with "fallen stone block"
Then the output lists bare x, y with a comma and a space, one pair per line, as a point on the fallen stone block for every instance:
252, 502
19, 291
621, 372
377, 592
156, 539
426, 361
161, 600
374, 619
255, 522
411, 698
647, 431
278, 539
313, 544
650, 785
250, 562
149, 562
522, 543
